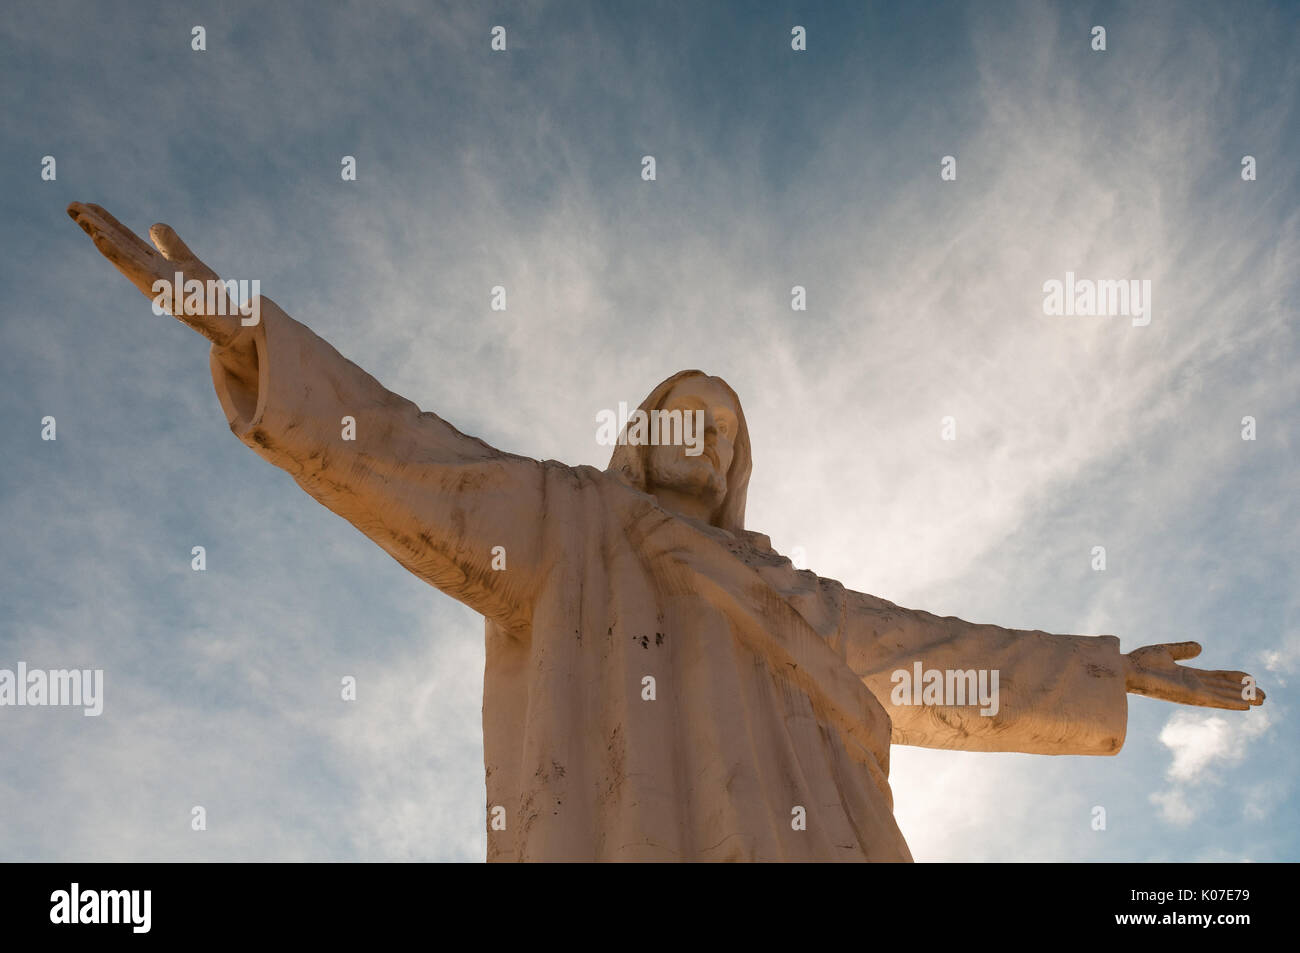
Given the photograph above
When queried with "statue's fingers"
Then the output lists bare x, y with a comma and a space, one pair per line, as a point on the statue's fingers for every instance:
80, 214
1239, 682
91, 222
1233, 691
114, 240
1232, 681
1216, 681
141, 270
1210, 692
1199, 687
125, 251
1228, 695
113, 227
1182, 650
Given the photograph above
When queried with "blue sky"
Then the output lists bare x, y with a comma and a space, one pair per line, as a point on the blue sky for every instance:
775, 168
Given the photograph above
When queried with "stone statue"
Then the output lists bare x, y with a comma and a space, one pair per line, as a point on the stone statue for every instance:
660, 684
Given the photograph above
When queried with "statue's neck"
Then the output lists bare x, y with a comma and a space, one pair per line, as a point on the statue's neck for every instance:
684, 504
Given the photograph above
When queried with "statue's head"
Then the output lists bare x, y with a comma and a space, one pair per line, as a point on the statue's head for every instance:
710, 485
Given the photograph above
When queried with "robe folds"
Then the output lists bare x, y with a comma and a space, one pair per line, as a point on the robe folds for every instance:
655, 688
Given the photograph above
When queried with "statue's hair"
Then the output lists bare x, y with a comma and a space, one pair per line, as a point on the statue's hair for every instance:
631, 463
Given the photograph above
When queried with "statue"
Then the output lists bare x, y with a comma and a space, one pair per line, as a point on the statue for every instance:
660, 684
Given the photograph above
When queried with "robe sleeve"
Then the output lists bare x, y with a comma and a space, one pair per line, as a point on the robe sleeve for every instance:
1057, 694
433, 498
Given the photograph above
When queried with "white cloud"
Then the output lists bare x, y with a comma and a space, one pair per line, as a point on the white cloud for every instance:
1204, 748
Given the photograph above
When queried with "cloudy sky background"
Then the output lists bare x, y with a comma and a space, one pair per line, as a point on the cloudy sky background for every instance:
775, 168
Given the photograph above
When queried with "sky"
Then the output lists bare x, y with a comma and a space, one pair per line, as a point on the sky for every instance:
774, 168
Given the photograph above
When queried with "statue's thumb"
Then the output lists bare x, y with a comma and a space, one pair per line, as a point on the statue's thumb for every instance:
169, 243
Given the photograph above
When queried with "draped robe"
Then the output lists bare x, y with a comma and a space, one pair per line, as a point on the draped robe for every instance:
766, 736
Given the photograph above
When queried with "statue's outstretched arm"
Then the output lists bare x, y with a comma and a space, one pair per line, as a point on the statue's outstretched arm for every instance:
460, 514
1048, 694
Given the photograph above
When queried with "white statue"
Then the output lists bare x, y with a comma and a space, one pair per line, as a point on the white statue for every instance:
660, 684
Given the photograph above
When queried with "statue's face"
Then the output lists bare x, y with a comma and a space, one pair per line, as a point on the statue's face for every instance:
704, 476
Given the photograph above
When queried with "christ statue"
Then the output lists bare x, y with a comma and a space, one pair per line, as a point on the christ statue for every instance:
659, 683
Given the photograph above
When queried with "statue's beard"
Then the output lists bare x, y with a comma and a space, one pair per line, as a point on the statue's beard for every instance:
691, 476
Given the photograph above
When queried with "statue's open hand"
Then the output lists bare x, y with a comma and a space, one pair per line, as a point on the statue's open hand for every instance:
1154, 670
143, 265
